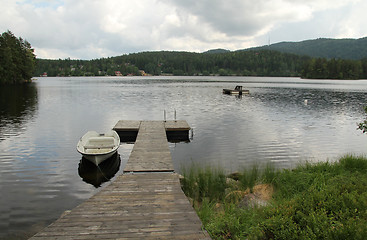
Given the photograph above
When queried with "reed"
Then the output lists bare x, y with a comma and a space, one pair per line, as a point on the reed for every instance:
248, 178
204, 183
269, 173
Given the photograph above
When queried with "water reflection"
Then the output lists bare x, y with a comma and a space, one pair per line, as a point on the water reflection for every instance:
18, 104
96, 175
274, 124
38, 132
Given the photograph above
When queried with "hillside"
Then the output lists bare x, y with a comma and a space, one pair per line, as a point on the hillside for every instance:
216, 51
241, 63
353, 49
320, 58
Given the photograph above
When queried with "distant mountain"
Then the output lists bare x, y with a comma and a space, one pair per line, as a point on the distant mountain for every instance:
216, 51
354, 49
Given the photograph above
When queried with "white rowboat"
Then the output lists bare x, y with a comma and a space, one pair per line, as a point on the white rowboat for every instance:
97, 147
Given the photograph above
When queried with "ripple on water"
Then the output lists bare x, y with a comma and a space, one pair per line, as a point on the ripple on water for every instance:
39, 164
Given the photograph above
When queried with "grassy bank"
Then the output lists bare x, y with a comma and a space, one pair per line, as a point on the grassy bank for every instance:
313, 201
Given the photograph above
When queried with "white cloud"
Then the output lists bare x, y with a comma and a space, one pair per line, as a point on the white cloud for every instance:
92, 28
352, 22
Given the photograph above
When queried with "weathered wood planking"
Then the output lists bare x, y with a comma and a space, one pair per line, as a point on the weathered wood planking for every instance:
179, 125
149, 205
150, 152
134, 206
176, 130
235, 92
127, 125
132, 125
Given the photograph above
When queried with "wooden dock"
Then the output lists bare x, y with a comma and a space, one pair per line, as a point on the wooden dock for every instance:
146, 202
150, 152
237, 91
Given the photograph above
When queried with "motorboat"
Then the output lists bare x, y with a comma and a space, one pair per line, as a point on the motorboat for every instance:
97, 147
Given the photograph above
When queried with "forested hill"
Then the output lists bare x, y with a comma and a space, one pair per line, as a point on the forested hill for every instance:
215, 51
321, 58
352, 49
248, 63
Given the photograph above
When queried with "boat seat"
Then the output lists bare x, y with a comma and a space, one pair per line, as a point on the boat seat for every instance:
98, 150
100, 142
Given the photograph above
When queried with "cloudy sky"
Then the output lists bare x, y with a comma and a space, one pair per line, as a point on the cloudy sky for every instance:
89, 29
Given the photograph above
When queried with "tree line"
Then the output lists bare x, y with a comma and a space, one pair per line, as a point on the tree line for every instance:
18, 64
17, 60
322, 68
238, 63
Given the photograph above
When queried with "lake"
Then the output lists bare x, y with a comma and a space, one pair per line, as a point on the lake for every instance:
283, 121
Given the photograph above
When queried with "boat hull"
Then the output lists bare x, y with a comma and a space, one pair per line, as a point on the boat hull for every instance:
97, 147
96, 175
97, 159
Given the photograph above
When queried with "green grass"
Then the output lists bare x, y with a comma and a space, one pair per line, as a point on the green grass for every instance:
204, 183
313, 201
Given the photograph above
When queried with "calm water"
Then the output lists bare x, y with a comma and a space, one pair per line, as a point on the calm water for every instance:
41, 173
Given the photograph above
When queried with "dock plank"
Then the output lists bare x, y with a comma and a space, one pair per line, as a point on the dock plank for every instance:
150, 152
179, 125
134, 125
146, 202
127, 125
155, 207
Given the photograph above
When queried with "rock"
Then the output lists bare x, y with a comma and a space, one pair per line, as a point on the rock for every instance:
235, 196
252, 200
233, 184
234, 176
260, 197
264, 191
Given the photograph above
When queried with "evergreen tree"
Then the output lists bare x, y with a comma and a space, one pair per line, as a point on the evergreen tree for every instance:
17, 60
